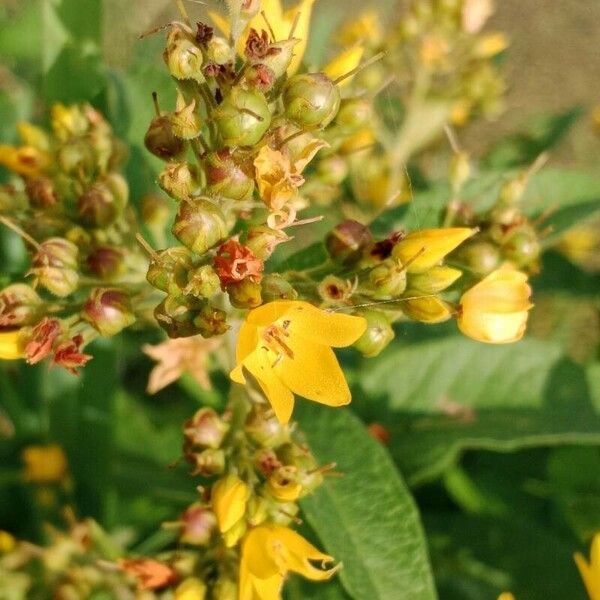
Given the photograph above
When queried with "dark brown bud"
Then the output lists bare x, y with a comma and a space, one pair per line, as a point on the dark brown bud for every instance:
227, 176
41, 192
106, 262
161, 141
346, 242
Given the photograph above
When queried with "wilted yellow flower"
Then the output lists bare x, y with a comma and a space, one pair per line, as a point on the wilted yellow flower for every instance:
277, 183
26, 160
11, 345
344, 63
286, 346
191, 588
268, 554
44, 464
281, 22
496, 309
590, 572
229, 498
365, 29
423, 250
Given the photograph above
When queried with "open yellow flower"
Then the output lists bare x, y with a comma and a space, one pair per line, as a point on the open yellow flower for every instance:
590, 572
495, 310
11, 346
24, 160
286, 346
268, 554
281, 22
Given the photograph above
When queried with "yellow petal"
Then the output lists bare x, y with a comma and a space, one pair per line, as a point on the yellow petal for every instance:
595, 553
44, 464
313, 373
344, 63
229, 497
506, 596
493, 328
11, 345
257, 560
428, 309
269, 313
220, 22
247, 341
590, 576
423, 250
268, 589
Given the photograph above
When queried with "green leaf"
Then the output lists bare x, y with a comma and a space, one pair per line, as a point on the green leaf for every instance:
444, 396
367, 518
310, 257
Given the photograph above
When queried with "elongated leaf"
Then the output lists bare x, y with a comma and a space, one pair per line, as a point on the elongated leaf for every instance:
367, 518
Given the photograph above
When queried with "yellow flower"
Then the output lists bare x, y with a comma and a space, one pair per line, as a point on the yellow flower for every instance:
277, 183
26, 160
344, 63
268, 554
286, 346
44, 464
191, 588
11, 345
366, 28
496, 309
229, 499
423, 250
590, 572
281, 22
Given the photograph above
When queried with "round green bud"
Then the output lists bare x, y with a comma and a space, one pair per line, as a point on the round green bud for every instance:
161, 141
200, 225
182, 56
108, 311
228, 177
242, 118
179, 180
211, 321
203, 282
522, 246
378, 335
311, 100
168, 270
176, 313
479, 257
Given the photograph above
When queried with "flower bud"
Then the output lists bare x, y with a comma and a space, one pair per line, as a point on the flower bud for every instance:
198, 524
332, 170
179, 180
265, 429
347, 240
481, 258
242, 118
387, 279
185, 121
275, 287
219, 51
257, 510
207, 463
232, 536
106, 262
428, 309
190, 588
211, 321
199, 225
354, 114
76, 157
311, 100
176, 314
263, 240
421, 250
335, 290
41, 192
283, 484
203, 282
182, 56
205, 429
259, 77
161, 141
522, 247
168, 270
229, 497
245, 294
108, 311
98, 206
433, 281
19, 305
228, 177
56, 265
378, 335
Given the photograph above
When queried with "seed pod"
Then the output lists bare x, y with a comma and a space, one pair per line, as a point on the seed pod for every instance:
108, 310
198, 523
56, 265
182, 56
205, 429
275, 287
479, 257
311, 100
219, 51
106, 262
245, 294
203, 282
263, 240
259, 77
175, 314
387, 279
19, 305
208, 463
200, 225
378, 335
354, 114
335, 290
179, 180
242, 118
98, 206
41, 192
211, 321
346, 242
522, 246
168, 270
161, 141
227, 177
265, 429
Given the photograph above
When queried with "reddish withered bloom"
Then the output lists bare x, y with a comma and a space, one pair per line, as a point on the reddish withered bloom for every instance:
43, 336
69, 356
151, 574
235, 262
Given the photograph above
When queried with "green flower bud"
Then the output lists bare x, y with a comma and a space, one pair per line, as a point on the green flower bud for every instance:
168, 270
378, 335
263, 240
182, 56
98, 206
205, 429
19, 305
332, 170
228, 177
433, 281
245, 294
275, 287
481, 258
219, 51
106, 262
354, 114
522, 246
41, 192
56, 266
161, 141
108, 311
208, 463
387, 279
346, 242
211, 321
242, 118
179, 180
203, 282
264, 428
200, 225
311, 100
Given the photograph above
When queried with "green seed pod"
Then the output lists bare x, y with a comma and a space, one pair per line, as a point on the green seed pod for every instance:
264, 429
161, 141
263, 240
378, 335
108, 311
56, 266
211, 321
354, 114
522, 246
387, 279
245, 294
228, 177
182, 56
98, 206
479, 257
203, 282
208, 463
200, 225
179, 180
106, 262
168, 270
175, 314
275, 287
19, 305
346, 241
242, 118
311, 100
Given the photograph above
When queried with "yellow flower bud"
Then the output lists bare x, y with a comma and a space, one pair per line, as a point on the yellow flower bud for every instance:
44, 464
495, 310
422, 250
229, 499
11, 346
428, 309
232, 536
433, 281
191, 588
283, 484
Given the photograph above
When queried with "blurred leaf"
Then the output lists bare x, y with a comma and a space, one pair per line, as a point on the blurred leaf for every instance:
312, 256
522, 148
446, 396
297, 588
367, 518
